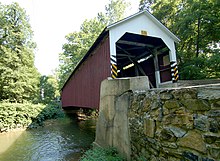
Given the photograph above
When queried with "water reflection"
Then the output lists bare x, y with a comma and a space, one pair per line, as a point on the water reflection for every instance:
6, 140
63, 139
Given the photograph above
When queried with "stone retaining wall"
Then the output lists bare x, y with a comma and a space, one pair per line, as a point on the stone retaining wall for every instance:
175, 124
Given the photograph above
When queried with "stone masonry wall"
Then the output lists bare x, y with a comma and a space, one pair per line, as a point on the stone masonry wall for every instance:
175, 124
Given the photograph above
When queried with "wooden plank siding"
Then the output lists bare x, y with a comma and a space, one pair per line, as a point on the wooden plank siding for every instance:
83, 88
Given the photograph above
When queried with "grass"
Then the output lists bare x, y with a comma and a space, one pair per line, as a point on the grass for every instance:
102, 154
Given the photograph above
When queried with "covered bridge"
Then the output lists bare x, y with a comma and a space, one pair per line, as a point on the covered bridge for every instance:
135, 46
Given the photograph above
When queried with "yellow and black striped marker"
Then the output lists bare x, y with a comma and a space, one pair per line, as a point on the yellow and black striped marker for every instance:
114, 71
174, 72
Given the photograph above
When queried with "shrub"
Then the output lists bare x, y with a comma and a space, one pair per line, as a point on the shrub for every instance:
13, 115
101, 154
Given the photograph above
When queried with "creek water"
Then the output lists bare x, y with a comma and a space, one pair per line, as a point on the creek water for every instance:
59, 140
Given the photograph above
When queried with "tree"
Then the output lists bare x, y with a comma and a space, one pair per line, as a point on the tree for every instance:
78, 43
19, 79
115, 10
199, 27
48, 89
196, 22
146, 4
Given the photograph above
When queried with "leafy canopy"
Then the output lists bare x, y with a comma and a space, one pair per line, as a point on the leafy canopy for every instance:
196, 23
48, 89
19, 79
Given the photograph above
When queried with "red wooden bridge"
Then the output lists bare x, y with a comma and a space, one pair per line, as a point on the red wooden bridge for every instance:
135, 46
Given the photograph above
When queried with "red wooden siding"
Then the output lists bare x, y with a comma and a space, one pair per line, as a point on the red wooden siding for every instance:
83, 88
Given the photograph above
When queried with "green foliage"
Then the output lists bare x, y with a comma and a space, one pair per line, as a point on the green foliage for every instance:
193, 69
196, 23
78, 43
101, 154
201, 67
48, 89
115, 10
13, 115
19, 79
145, 4
213, 66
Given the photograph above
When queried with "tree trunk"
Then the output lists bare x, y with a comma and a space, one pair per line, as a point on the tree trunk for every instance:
198, 37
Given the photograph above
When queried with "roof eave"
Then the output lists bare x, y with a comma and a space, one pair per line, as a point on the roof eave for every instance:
163, 27
123, 20
148, 14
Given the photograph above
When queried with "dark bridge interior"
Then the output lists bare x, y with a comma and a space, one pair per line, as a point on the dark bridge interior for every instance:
135, 56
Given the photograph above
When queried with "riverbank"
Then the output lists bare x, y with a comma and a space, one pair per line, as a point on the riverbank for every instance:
58, 139
17, 116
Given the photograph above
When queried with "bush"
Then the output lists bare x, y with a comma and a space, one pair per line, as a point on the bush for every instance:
101, 154
201, 68
16, 115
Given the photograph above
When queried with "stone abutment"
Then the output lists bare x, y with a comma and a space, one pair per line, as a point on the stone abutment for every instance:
166, 124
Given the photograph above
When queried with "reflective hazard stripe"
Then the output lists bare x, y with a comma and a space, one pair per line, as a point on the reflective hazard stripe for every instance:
114, 69
174, 71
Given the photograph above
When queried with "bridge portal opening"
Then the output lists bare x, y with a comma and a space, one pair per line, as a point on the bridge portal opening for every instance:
141, 55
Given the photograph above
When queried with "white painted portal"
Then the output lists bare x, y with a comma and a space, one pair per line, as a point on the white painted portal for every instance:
137, 23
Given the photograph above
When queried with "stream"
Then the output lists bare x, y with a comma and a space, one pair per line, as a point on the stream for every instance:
59, 140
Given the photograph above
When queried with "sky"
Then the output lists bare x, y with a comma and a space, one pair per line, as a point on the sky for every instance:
51, 20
